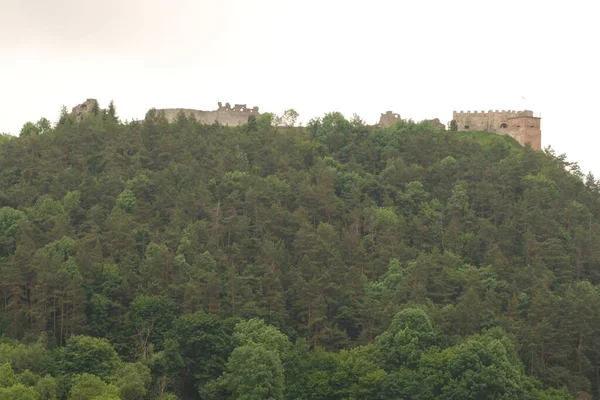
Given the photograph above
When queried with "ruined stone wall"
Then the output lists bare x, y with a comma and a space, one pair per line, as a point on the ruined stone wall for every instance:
521, 125
225, 114
388, 119
436, 124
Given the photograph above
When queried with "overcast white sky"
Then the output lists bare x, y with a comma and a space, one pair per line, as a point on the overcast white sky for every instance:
422, 59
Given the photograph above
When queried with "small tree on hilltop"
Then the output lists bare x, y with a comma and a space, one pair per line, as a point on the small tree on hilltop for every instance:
453, 125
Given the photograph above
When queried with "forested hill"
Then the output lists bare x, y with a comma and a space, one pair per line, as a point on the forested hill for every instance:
156, 260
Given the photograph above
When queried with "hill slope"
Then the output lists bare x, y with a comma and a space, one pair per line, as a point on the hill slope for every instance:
421, 251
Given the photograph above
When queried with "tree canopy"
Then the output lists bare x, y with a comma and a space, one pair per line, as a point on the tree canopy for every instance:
159, 260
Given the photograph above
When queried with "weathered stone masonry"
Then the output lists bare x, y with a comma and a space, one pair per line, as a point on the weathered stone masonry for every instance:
225, 114
521, 125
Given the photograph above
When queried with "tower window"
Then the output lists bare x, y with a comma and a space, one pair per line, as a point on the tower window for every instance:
503, 126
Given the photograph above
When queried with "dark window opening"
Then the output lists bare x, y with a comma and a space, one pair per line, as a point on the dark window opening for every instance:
503, 126
466, 126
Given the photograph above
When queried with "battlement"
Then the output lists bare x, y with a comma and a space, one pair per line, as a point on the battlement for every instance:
237, 108
522, 113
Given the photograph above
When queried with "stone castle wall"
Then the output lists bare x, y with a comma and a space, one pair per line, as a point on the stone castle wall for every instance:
225, 114
521, 125
526, 130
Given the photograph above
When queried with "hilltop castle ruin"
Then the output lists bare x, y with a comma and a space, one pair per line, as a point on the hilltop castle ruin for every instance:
390, 118
521, 125
224, 114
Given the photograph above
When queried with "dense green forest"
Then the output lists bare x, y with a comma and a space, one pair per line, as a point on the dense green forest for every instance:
157, 260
